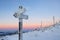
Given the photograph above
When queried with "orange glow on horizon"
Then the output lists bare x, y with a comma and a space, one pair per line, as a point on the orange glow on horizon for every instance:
8, 26
25, 25
36, 25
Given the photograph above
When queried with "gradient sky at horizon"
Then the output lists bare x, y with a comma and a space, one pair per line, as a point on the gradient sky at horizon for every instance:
37, 10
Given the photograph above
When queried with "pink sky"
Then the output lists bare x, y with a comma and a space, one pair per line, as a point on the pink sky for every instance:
28, 25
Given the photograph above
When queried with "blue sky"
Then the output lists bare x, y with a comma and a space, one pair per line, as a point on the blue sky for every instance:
37, 10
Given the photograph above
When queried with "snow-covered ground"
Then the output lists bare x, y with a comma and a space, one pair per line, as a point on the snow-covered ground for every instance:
38, 35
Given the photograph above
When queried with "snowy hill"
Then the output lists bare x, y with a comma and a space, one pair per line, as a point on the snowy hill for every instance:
37, 35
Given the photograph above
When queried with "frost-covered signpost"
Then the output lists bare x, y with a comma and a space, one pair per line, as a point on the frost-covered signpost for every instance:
20, 15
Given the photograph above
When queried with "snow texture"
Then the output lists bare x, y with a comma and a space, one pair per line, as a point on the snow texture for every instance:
53, 34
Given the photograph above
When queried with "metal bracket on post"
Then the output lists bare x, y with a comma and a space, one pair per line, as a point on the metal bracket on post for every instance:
20, 16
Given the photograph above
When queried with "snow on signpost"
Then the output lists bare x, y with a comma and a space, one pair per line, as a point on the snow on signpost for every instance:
20, 15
